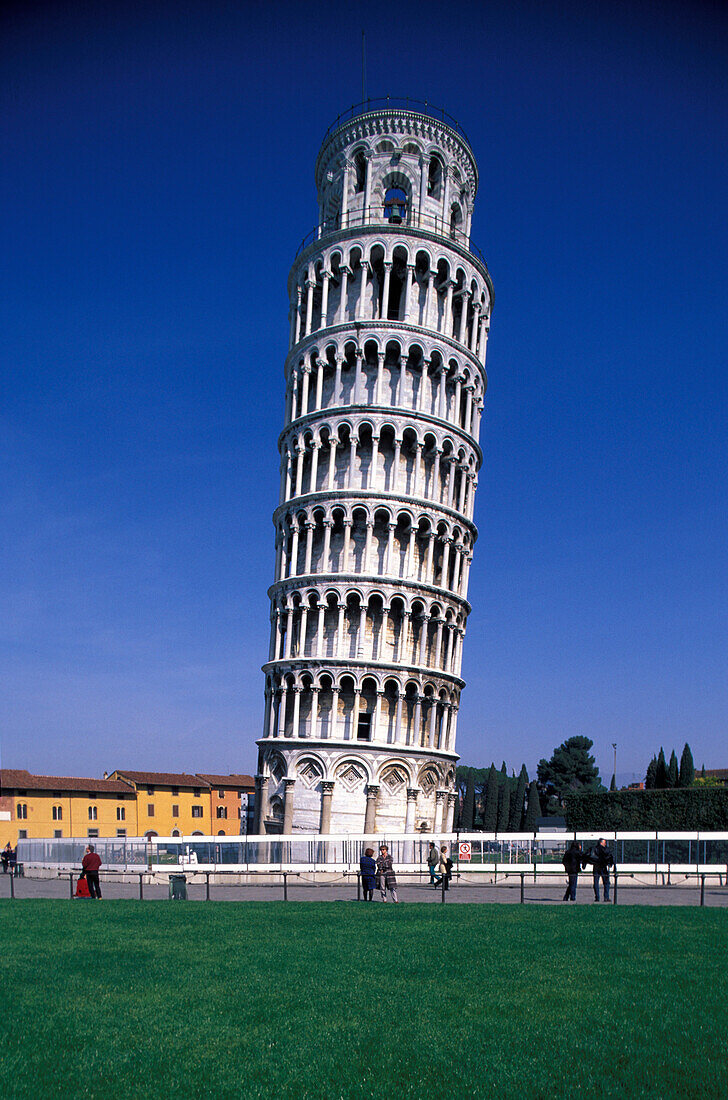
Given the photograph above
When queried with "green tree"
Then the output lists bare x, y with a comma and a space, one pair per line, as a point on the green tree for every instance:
518, 801
533, 810
661, 771
571, 768
466, 814
687, 768
613, 783
504, 807
672, 771
490, 820
651, 774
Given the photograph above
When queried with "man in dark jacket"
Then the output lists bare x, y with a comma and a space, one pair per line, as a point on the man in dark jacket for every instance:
91, 863
601, 860
573, 863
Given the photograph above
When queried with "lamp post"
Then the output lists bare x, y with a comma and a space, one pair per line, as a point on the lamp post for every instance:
614, 746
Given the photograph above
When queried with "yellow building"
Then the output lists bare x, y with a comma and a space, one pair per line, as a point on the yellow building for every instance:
178, 804
35, 806
170, 803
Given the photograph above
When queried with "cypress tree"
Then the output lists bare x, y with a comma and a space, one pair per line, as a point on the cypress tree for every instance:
672, 772
466, 814
533, 810
702, 772
504, 809
456, 811
518, 800
613, 784
651, 774
661, 771
490, 819
687, 768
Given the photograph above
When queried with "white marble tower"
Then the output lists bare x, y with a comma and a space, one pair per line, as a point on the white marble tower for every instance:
385, 376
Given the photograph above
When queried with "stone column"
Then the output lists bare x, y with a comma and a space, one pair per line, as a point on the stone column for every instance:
309, 311
377, 716
347, 543
314, 710
320, 630
309, 525
333, 443
380, 376
440, 798
370, 817
288, 784
334, 712
306, 385
297, 689
325, 275
409, 825
327, 790
451, 801
355, 714
315, 448
385, 292
325, 560
261, 803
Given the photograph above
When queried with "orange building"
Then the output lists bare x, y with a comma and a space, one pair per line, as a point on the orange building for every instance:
35, 806
231, 798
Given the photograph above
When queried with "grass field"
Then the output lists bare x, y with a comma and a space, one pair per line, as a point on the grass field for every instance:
338, 1000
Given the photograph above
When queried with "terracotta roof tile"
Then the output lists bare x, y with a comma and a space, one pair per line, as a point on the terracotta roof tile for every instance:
233, 781
163, 779
19, 779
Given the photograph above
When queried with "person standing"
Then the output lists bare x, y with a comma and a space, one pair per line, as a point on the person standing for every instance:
601, 860
368, 872
91, 863
433, 858
385, 874
445, 868
6, 857
573, 863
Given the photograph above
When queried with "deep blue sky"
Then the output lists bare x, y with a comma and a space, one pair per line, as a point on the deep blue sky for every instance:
157, 176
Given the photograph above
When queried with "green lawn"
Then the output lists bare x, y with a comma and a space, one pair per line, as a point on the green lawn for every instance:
337, 1000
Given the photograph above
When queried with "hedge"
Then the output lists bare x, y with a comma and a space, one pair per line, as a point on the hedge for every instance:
690, 809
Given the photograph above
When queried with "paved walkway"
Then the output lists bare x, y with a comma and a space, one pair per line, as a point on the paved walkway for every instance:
509, 894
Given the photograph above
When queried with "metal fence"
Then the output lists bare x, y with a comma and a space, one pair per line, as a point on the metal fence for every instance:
639, 853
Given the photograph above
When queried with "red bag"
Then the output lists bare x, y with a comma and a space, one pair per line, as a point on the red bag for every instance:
82, 890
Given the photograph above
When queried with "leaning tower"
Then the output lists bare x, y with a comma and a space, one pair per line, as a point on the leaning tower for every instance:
385, 379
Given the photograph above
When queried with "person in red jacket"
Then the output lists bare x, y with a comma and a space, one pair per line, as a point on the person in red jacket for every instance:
91, 863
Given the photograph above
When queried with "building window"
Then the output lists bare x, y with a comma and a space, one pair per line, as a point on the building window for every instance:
175, 809
150, 790
196, 792
92, 833
56, 794
58, 813
93, 813
121, 832
221, 794
197, 811
222, 811
175, 792
364, 728
22, 834
150, 809
57, 833
22, 810
221, 832
92, 794
120, 813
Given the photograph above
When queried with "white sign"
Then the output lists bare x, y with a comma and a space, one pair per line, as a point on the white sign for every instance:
464, 850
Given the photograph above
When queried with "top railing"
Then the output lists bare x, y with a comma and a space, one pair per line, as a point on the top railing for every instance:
373, 217
421, 106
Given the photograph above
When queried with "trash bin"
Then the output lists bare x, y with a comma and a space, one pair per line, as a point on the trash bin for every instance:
177, 888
